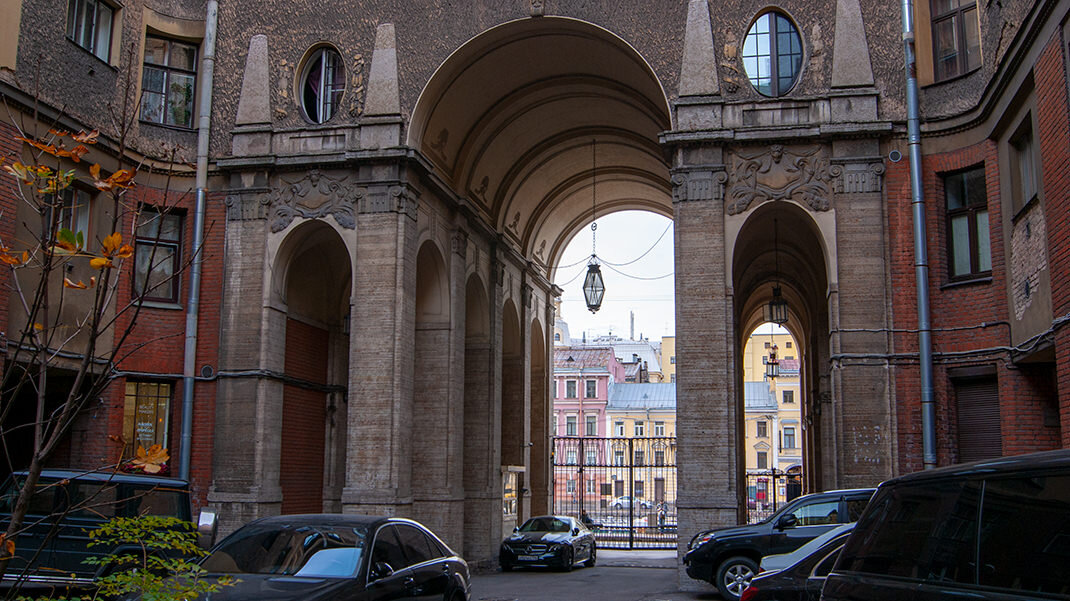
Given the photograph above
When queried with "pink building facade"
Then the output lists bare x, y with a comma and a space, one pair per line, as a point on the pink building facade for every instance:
582, 376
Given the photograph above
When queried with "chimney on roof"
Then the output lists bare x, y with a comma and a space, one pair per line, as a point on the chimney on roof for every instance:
631, 317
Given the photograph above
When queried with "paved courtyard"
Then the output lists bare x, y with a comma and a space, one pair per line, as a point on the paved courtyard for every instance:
619, 576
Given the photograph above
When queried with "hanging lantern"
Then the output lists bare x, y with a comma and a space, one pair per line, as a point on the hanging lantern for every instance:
777, 309
772, 365
593, 287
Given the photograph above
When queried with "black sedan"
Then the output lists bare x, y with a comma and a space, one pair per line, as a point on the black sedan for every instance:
802, 580
331, 556
549, 541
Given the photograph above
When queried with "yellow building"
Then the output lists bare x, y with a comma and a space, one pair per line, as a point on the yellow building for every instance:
773, 423
668, 359
642, 424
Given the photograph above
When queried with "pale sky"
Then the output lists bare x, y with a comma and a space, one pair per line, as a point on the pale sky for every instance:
622, 237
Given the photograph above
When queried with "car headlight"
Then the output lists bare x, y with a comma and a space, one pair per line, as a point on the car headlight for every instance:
701, 539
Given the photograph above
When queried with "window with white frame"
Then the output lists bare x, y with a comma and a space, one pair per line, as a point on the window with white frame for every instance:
323, 82
570, 486
789, 396
592, 457
168, 81
592, 487
640, 429
763, 460
789, 437
639, 457
570, 457
570, 389
618, 428
592, 389
659, 428
89, 24
618, 457
762, 430
591, 425
570, 425
74, 206
659, 456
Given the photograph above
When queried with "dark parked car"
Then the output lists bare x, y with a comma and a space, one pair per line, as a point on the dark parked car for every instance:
316, 557
67, 504
549, 541
728, 557
802, 577
996, 529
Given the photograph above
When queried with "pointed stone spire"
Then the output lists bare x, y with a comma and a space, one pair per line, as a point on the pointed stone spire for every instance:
698, 73
850, 52
254, 104
383, 98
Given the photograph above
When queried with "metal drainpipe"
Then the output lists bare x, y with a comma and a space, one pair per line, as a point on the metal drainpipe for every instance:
204, 123
921, 258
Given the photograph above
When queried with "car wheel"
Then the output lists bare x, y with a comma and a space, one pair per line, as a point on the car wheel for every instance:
733, 576
594, 557
567, 559
506, 566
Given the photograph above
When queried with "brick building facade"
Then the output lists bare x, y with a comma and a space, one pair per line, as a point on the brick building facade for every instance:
392, 193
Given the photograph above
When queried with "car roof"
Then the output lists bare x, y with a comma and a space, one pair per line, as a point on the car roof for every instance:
556, 517
331, 519
1001, 465
786, 560
113, 477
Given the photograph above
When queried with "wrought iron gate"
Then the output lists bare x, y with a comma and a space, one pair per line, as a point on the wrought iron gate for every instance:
626, 486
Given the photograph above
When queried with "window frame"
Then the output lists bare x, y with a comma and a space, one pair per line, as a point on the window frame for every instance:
168, 71
77, 23
970, 210
787, 396
329, 99
761, 429
789, 437
639, 428
1023, 164
958, 16
132, 400
73, 214
590, 425
571, 389
774, 56
762, 460
587, 385
659, 428
174, 281
570, 425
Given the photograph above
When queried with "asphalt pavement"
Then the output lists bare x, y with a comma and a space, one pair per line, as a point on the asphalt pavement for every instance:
619, 576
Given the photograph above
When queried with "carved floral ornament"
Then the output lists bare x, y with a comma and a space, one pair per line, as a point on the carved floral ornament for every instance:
778, 173
317, 195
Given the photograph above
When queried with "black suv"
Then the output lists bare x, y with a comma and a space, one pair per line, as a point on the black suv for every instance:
67, 504
728, 557
995, 529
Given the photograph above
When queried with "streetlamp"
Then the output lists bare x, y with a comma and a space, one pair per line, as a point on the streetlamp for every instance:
777, 309
772, 365
593, 285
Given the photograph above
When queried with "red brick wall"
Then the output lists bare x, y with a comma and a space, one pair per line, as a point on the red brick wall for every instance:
967, 319
9, 148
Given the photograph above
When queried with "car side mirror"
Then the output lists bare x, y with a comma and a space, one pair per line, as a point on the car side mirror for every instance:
787, 521
207, 525
516, 529
381, 570
575, 532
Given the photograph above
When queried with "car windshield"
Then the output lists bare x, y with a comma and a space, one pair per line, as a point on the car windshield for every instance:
544, 524
290, 550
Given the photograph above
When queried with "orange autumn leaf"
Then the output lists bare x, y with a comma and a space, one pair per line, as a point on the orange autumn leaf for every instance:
38, 327
100, 263
58, 132
111, 243
125, 252
50, 149
95, 171
22, 172
86, 138
152, 460
79, 285
75, 153
8, 546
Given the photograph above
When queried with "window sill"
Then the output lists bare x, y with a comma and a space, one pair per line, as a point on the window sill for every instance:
149, 304
1025, 208
108, 64
953, 78
980, 279
178, 128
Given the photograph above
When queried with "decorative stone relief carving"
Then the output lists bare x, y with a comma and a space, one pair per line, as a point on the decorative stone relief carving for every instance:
540, 253
243, 207
525, 296
855, 177
314, 196
536, 8
356, 85
460, 243
779, 173
515, 222
395, 199
698, 185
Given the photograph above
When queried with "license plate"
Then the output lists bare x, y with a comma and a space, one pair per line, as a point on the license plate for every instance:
527, 557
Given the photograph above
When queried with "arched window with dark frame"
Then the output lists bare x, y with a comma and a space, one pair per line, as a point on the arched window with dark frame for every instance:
322, 84
772, 54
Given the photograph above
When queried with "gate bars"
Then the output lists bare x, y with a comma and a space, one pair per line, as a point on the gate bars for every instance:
627, 486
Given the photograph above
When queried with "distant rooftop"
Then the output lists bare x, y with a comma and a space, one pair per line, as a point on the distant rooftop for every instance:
757, 397
583, 357
642, 396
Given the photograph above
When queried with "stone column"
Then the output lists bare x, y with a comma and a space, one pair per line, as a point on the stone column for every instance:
379, 452
709, 428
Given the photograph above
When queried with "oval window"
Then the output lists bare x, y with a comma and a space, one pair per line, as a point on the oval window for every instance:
772, 54
322, 83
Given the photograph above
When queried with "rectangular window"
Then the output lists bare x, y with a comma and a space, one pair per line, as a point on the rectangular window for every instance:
570, 425
659, 457
659, 428
74, 205
570, 486
592, 487
157, 251
640, 429
592, 389
638, 490
640, 457
956, 43
618, 457
146, 413
789, 437
618, 428
762, 430
1023, 166
787, 344
969, 243
763, 460
168, 81
672, 360
592, 425
592, 457
89, 24
570, 389
570, 457
789, 396
672, 378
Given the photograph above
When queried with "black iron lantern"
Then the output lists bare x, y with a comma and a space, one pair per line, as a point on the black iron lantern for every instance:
593, 287
777, 309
